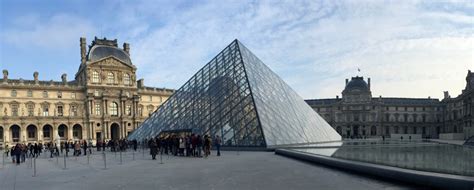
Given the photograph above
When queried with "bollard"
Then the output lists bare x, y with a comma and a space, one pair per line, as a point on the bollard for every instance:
120, 157
34, 167
64, 162
105, 160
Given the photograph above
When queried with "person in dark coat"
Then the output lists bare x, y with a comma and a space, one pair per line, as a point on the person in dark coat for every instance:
84, 146
135, 145
17, 152
153, 149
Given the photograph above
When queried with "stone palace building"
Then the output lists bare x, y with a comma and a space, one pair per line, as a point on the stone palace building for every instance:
357, 114
104, 101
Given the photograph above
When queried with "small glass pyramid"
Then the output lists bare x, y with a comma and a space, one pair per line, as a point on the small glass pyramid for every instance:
237, 97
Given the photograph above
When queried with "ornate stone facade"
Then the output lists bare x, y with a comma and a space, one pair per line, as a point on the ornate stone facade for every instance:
358, 114
104, 101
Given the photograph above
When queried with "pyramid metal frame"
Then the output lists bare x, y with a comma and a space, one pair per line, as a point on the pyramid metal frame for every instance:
240, 99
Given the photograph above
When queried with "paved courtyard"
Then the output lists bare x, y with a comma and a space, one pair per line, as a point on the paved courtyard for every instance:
233, 170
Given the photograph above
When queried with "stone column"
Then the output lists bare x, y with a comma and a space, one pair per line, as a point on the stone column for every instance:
23, 135
55, 131
93, 137
40, 133
69, 132
106, 130
6, 135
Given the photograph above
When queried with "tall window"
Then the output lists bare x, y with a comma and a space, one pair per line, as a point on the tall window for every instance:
31, 110
129, 109
31, 132
14, 109
46, 132
113, 109
95, 77
97, 109
45, 110
60, 111
45, 94
73, 110
140, 110
110, 78
126, 79
29, 93
13, 93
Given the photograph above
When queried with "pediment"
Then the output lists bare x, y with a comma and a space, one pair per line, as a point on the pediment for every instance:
111, 61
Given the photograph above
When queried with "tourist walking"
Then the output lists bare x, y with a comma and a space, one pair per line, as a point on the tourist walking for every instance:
17, 153
153, 149
207, 145
218, 142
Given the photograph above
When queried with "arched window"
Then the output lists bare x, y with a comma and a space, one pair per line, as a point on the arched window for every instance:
113, 109
95, 77
110, 78
126, 79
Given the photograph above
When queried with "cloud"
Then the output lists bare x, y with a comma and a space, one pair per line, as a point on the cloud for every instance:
409, 48
56, 32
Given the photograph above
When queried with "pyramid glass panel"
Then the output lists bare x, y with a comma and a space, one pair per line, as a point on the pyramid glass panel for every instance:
240, 99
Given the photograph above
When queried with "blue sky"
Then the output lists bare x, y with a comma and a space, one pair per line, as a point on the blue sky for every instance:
408, 48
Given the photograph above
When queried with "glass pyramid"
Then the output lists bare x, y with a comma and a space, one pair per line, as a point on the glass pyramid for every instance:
237, 97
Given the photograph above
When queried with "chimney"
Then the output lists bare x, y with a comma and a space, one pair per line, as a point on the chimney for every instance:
83, 50
5, 74
126, 48
141, 83
347, 81
64, 78
368, 81
337, 97
35, 76
446, 94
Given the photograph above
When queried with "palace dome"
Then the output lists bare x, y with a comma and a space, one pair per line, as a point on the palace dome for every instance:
98, 52
357, 84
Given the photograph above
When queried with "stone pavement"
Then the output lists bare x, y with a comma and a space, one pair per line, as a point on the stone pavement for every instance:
233, 170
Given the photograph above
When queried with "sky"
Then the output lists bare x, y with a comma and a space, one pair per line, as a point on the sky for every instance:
408, 48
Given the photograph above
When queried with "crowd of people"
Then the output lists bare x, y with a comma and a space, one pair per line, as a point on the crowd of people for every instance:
185, 145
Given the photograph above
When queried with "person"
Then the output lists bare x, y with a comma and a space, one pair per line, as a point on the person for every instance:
17, 153
153, 149
66, 146
84, 146
7, 150
207, 146
199, 145
218, 142
135, 145
182, 146
77, 149
90, 147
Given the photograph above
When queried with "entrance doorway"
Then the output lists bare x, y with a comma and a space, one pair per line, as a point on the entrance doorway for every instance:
114, 131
